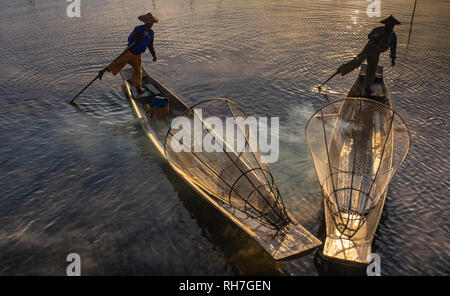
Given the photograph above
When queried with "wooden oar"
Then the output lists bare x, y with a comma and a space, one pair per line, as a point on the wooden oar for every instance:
320, 86
410, 28
412, 21
72, 101
98, 75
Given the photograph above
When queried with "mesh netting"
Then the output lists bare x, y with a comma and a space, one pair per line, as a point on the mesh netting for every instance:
356, 145
225, 161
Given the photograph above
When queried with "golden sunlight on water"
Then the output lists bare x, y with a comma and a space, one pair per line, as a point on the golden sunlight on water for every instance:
87, 180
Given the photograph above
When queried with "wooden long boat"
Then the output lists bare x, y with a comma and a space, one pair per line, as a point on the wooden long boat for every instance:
355, 161
287, 239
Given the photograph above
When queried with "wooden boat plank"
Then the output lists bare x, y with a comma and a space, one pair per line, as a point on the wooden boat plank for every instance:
379, 87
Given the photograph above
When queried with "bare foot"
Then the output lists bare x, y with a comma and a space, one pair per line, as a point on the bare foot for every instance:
100, 74
140, 89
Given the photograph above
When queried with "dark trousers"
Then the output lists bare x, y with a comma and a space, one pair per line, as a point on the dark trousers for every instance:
372, 55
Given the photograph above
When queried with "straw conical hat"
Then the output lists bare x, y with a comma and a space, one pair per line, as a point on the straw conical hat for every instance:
391, 21
148, 18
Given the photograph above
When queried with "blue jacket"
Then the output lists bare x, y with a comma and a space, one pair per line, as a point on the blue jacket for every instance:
383, 44
142, 42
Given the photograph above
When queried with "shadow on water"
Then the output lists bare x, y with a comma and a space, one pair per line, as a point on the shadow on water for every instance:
242, 254
329, 266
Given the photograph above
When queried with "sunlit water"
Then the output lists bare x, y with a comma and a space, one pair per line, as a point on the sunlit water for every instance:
88, 181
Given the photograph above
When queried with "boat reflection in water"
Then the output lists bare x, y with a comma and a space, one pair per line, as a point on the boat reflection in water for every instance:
327, 266
356, 144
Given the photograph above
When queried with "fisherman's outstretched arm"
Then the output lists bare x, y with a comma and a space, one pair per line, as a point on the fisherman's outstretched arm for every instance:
152, 50
393, 47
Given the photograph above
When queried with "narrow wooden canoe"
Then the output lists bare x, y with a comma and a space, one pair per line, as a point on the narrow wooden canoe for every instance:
379, 87
352, 144
291, 240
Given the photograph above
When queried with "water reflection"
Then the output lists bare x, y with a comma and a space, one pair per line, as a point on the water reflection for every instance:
332, 267
90, 181
242, 254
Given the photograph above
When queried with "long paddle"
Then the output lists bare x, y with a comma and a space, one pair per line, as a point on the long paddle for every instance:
320, 86
98, 75
410, 28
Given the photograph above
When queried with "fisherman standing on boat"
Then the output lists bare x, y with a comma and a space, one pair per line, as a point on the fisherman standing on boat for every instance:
142, 36
380, 40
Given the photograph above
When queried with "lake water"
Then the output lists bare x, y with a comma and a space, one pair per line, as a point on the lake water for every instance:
88, 181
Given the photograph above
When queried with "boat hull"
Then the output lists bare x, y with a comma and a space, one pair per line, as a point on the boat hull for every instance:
356, 245
291, 240
356, 144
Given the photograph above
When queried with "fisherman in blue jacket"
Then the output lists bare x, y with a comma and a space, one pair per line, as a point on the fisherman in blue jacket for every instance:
142, 36
380, 40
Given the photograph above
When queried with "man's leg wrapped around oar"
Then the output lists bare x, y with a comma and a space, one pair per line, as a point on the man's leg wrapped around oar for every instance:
372, 55
133, 60
136, 63
355, 63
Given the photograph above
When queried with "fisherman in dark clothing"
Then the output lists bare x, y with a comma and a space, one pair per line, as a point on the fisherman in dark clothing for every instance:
143, 37
380, 40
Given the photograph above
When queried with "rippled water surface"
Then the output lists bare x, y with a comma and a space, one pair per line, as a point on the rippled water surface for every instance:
86, 180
